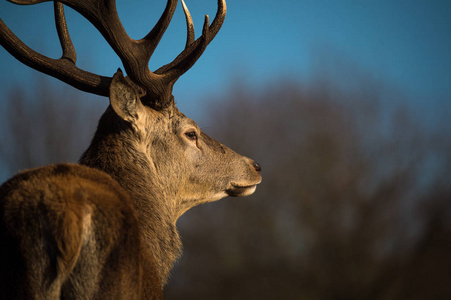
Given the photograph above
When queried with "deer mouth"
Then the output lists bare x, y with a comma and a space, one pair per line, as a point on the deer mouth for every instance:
241, 191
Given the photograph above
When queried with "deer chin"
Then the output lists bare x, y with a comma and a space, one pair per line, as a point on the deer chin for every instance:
241, 191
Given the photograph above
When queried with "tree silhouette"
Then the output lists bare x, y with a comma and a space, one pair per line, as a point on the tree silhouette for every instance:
42, 125
341, 210
354, 204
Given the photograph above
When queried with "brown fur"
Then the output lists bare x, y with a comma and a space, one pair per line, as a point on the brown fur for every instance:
63, 222
105, 229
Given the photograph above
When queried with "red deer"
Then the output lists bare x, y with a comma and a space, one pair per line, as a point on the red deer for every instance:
106, 228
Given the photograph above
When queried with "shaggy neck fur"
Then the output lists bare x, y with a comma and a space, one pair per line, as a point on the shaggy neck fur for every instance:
116, 153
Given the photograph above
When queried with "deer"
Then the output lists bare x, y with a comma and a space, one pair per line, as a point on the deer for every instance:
105, 227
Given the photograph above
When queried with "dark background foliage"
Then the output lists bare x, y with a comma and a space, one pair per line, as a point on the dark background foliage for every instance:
354, 203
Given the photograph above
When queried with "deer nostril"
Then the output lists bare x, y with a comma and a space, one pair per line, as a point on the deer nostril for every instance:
257, 167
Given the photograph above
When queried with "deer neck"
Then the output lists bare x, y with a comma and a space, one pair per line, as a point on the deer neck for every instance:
123, 159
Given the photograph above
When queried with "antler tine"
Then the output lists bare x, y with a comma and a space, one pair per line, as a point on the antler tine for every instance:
218, 20
63, 33
154, 36
190, 26
188, 57
63, 69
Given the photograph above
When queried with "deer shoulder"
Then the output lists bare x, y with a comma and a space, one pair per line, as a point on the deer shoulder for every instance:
71, 222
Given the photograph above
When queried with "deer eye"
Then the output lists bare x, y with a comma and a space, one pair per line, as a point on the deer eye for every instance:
191, 135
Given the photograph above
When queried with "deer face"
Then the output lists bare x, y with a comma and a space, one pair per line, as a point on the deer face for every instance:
189, 165
214, 171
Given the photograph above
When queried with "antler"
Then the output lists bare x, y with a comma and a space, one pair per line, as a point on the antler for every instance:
134, 54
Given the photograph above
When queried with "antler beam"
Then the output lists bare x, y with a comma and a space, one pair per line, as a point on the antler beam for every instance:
63, 69
134, 54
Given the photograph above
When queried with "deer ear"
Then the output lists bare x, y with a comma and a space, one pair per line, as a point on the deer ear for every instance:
124, 98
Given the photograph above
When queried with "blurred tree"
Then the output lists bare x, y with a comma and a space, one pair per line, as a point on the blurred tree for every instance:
42, 125
354, 204
339, 213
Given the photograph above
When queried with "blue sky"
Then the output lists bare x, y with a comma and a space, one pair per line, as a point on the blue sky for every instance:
405, 43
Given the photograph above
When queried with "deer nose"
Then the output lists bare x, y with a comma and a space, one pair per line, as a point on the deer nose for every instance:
257, 167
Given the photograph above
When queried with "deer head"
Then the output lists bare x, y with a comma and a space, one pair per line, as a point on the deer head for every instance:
177, 161
160, 157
